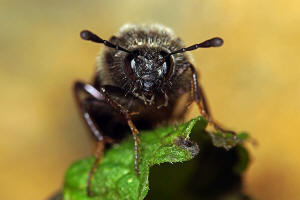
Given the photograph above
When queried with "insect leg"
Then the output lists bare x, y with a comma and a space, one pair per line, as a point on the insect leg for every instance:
127, 115
98, 157
102, 95
199, 97
97, 133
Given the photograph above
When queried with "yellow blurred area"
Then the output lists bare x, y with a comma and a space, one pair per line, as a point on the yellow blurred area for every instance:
252, 83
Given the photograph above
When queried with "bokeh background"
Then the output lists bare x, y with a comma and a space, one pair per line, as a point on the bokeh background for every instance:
252, 83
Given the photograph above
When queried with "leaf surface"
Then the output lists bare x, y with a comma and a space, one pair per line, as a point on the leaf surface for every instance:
116, 178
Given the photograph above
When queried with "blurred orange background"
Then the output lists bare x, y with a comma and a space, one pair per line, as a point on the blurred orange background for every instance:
252, 83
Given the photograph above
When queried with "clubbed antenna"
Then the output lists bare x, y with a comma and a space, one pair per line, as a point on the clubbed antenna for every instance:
214, 42
88, 35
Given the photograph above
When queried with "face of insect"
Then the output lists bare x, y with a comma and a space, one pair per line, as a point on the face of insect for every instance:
147, 61
148, 69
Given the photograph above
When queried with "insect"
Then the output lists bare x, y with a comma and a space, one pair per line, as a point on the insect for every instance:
141, 73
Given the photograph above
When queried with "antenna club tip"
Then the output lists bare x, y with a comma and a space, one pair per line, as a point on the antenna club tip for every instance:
85, 34
217, 42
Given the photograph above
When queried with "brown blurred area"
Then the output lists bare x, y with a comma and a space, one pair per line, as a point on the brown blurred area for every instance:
252, 83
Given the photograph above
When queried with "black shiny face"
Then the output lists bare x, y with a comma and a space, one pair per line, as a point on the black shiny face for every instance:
148, 69
140, 60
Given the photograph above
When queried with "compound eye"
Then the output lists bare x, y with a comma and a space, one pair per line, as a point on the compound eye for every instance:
130, 67
168, 66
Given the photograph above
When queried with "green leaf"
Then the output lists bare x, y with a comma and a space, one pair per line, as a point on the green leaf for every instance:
116, 178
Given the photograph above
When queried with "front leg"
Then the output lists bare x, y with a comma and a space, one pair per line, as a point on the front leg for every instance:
84, 105
101, 95
199, 97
